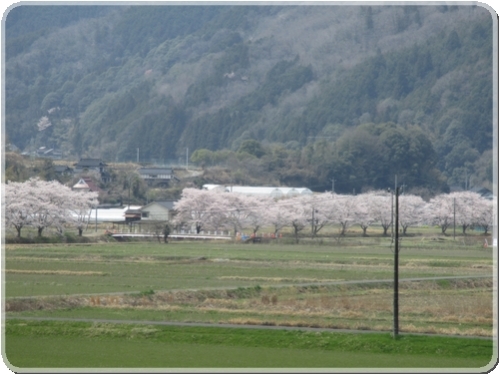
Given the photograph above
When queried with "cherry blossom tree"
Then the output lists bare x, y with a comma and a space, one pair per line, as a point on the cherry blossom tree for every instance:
440, 211
466, 212
363, 211
217, 212
411, 208
19, 204
256, 211
42, 204
381, 208
298, 214
80, 209
54, 201
278, 214
238, 211
484, 214
192, 208
343, 210
322, 210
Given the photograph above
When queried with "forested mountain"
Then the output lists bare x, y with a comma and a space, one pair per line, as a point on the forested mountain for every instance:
351, 93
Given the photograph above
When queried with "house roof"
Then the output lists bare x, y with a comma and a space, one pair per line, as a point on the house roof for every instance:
169, 205
90, 163
86, 183
62, 168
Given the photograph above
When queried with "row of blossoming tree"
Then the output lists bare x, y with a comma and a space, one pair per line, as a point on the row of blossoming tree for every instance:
42, 204
212, 210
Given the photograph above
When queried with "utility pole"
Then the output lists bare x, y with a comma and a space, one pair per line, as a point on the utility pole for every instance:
333, 185
392, 216
137, 155
392, 208
396, 270
187, 153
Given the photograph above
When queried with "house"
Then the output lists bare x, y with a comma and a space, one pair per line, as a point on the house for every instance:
156, 175
158, 211
86, 184
93, 165
63, 170
88, 164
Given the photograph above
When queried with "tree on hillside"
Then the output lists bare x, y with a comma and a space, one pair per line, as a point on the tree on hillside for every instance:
252, 147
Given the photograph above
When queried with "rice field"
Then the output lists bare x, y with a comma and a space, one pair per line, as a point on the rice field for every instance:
346, 285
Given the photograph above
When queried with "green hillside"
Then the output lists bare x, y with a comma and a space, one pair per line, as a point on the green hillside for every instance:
104, 81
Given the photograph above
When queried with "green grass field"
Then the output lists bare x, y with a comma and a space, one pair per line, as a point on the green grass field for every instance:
96, 345
253, 284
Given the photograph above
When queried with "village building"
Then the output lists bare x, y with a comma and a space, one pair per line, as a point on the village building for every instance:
158, 211
93, 165
63, 170
86, 184
156, 176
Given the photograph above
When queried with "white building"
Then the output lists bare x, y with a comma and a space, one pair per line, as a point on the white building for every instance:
275, 192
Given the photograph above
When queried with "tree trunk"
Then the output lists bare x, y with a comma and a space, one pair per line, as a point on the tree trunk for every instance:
18, 232
343, 225
40, 232
80, 232
296, 232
